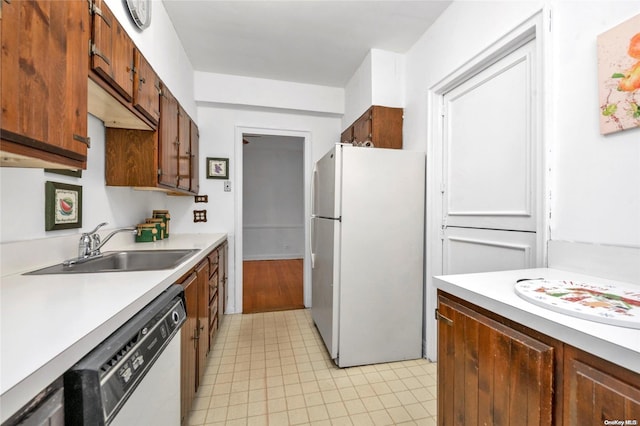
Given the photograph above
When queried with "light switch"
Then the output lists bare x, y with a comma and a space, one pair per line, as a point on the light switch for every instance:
227, 186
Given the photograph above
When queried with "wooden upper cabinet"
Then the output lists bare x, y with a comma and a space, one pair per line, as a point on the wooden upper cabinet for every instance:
362, 128
347, 135
111, 50
380, 125
44, 83
184, 150
146, 88
168, 140
195, 155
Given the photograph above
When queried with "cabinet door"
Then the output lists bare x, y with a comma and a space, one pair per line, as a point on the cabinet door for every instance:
111, 51
489, 373
189, 345
167, 140
146, 88
44, 83
362, 128
347, 135
194, 172
184, 150
202, 273
386, 127
596, 390
222, 280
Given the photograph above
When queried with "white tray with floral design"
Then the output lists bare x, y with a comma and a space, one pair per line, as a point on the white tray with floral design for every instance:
604, 303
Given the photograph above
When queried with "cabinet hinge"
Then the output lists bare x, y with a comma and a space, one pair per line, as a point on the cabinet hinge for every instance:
159, 172
95, 10
440, 317
84, 140
95, 51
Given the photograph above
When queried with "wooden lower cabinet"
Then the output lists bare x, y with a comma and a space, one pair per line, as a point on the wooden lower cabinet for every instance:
201, 297
189, 346
494, 371
596, 391
489, 373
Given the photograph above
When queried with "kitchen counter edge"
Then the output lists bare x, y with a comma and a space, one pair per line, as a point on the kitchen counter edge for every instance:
494, 291
14, 396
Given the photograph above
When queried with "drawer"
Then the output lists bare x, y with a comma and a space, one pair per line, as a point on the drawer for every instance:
213, 309
213, 262
213, 286
212, 331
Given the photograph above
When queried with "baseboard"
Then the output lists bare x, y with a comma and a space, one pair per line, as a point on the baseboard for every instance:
273, 257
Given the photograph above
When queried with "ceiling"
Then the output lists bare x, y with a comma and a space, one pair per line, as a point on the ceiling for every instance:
306, 41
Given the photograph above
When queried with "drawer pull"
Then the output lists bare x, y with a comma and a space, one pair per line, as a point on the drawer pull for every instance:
444, 319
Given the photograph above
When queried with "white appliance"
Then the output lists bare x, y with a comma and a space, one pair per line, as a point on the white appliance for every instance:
367, 242
133, 377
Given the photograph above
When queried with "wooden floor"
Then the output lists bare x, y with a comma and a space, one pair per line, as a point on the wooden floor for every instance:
271, 285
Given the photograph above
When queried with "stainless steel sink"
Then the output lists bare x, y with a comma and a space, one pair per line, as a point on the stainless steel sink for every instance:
122, 261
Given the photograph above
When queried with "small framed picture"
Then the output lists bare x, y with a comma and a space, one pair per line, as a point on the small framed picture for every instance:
217, 168
62, 206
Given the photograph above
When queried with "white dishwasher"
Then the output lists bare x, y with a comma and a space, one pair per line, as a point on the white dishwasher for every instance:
133, 377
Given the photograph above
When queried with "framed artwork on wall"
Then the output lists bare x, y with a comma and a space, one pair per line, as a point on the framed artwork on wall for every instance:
619, 77
217, 168
62, 206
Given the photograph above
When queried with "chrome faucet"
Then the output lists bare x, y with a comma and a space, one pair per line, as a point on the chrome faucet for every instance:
89, 245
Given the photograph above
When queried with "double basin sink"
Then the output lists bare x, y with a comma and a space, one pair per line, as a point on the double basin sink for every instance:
122, 261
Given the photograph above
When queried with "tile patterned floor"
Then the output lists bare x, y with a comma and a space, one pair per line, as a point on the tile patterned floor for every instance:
272, 369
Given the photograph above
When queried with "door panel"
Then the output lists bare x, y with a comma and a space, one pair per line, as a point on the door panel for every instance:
112, 51
326, 177
482, 250
489, 162
490, 168
324, 287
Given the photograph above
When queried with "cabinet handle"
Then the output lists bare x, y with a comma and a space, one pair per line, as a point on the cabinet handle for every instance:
441, 317
84, 140
95, 51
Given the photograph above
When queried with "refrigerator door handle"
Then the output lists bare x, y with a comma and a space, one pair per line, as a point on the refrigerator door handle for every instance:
314, 180
312, 225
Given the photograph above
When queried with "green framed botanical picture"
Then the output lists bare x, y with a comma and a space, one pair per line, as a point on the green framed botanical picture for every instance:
62, 206
217, 168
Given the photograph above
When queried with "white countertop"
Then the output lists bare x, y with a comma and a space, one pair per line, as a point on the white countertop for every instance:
49, 322
495, 292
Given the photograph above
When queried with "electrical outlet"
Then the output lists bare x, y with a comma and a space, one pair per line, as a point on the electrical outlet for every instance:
227, 186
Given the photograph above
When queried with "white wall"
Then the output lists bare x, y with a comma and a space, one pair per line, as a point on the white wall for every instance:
22, 190
379, 80
23, 199
218, 125
273, 198
594, 181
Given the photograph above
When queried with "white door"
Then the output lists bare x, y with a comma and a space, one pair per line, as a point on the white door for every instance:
490, 169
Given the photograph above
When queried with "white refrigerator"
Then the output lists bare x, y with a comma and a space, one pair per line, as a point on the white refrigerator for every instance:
367, 245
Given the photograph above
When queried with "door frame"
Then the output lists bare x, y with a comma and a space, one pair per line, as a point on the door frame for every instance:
308, 170
536, 27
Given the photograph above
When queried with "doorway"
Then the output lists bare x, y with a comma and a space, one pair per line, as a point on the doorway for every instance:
273, 222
